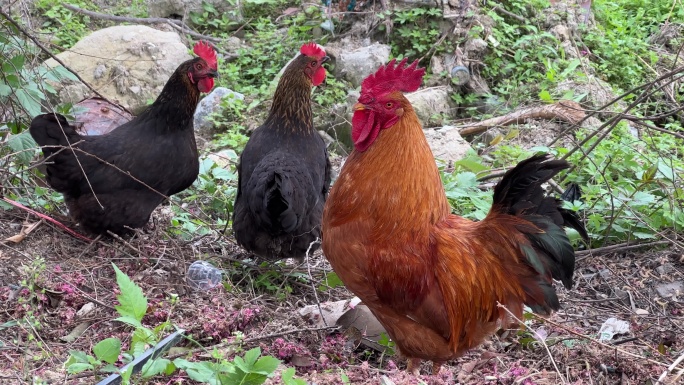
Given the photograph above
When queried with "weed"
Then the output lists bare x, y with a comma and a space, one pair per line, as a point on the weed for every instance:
132, 307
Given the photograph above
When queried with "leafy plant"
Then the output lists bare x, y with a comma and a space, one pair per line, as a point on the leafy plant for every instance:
416, 31
132, 307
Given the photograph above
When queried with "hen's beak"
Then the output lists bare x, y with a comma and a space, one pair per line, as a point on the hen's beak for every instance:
212, 73
359, 107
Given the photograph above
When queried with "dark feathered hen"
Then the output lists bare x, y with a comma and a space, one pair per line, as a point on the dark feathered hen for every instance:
157, 149
284, 171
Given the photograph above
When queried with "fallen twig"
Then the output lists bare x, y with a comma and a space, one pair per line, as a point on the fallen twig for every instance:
49, 219
567, 110
177, 24
611, 347
619, 247
539, 338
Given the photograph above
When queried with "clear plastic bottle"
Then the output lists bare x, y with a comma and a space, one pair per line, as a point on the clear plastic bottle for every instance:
202, 275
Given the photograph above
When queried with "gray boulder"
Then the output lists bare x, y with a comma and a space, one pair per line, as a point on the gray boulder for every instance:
431, 104
356, 65
211, 104
446, 143
128, 64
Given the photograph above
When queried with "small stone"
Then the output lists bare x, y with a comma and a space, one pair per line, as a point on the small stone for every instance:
664, 269
667, 290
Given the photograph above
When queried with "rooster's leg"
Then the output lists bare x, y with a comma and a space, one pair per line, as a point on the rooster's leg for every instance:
413, 366
436, 367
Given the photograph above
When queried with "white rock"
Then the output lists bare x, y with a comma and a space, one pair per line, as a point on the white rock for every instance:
430, 102
210, 104
356, 65
117, 60
446, 143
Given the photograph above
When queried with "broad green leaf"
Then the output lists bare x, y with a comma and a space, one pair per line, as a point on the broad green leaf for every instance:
132, 302
251, 356
471, 165
78, 355
108, 350
22, 144
545, 96
266, 365
287, 376
28, 102
109, 368
5, 90
154, 367
79, 367
129, 320
332, 281
199, 371
466, 179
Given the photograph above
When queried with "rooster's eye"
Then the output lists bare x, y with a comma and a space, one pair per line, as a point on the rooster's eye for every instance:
388, 105
313, 63
198, 66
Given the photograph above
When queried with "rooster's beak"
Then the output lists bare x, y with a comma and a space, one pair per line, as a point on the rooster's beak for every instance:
359, 107
212, 73
325, 59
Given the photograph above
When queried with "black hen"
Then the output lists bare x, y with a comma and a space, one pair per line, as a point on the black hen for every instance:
116, 180
284, 170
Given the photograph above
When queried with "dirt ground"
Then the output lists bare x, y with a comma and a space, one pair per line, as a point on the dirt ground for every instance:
46, 278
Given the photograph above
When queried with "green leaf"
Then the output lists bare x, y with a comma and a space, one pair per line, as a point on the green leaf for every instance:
471, 165
22, 144
129, 320
332, 281
545, 96
266, 365
79, 367
78, 356
28, 102
108, 350
132, 302
251, 356
156, 366
5, 90
206, 372
287, 376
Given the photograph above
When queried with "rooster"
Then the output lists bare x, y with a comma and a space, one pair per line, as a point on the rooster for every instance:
433, 279
113, 182
284, 170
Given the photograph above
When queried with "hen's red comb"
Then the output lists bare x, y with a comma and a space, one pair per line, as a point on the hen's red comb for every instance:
393, 77
312, 49
204, 50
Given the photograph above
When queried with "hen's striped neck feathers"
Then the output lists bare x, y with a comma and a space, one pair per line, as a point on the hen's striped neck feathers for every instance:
291, 108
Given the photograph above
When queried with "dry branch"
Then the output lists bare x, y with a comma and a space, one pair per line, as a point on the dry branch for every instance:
567, 110
177, 24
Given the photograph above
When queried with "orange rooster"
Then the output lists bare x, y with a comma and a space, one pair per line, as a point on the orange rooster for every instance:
433, 279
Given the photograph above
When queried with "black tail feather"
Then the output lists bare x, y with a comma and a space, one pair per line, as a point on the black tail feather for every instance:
549, 252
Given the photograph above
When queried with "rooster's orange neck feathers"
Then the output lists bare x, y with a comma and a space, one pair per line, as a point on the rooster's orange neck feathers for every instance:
401, 177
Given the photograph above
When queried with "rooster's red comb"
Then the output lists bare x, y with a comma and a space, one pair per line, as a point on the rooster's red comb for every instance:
204, 50
394, 77
312, 49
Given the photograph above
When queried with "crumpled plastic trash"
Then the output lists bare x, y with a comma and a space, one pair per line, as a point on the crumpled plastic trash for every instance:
611, 327
202, 275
